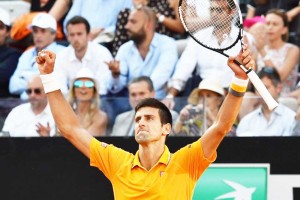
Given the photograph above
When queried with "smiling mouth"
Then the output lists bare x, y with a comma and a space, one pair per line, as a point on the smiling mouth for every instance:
83, 92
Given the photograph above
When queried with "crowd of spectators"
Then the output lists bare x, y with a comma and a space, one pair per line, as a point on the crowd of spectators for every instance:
111, 54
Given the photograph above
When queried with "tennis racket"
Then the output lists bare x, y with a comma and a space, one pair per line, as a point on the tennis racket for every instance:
217, 25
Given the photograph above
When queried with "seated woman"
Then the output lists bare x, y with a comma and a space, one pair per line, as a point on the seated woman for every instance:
84, 99
278, 53
204, 103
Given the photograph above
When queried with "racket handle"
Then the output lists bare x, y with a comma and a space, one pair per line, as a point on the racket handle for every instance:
262, 90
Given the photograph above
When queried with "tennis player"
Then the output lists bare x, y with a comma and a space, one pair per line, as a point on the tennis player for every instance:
153, 172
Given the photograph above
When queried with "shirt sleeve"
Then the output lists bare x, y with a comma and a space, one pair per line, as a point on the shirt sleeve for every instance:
18, 81
117, 84
108, 158
165, 64
187, 62
192, 159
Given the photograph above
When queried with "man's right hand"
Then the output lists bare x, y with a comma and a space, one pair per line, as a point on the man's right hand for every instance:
45, 60
114, 67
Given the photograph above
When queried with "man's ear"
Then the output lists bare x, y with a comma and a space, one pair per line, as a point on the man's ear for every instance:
166, 129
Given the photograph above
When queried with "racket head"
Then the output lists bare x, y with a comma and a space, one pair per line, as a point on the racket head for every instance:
205, 19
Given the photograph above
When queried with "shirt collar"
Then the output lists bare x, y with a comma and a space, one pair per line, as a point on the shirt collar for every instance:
279, 110
164, 159
49, 47
154, 43
87, 56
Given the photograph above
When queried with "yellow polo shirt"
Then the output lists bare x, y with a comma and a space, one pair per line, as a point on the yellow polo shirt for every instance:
172, 177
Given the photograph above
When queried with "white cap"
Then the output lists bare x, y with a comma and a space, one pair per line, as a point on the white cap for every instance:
206, 84
44, 20
4, 17
212, 85
85, 72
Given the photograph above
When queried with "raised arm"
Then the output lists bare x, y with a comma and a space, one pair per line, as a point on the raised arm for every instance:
230, 107
64, 117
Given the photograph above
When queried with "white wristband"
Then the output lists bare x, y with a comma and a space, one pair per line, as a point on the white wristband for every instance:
50, 82
240, 82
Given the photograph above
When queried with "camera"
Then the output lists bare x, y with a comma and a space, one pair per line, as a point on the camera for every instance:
195, 111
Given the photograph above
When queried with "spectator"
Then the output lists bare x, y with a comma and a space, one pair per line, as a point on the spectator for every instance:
84, 99
81, 53
166, 13
277, 52
102, 16
139, 88
21, 36
259, 8
208, 64
147, 53
33, 119
44, 30
8, 56
202, 110
265, 122
46, 6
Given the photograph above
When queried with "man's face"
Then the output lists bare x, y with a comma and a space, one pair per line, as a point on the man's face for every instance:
3, 33
148, 127
42, 37
139, 91
36, 94
78, 36
273, 90
136, 26
219, 11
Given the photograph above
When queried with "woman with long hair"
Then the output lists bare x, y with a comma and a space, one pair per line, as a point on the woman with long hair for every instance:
84, 99
277, 52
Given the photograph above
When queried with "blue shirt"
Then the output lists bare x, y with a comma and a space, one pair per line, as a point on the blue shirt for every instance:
281, 123
99, 13
159, 64
27, 67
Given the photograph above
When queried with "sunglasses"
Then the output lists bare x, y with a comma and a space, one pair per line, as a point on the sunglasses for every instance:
216, 9
87, 84
35, 91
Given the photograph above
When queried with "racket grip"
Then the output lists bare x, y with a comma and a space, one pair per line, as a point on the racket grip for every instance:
262, 90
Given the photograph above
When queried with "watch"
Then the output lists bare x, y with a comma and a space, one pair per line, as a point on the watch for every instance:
161, 18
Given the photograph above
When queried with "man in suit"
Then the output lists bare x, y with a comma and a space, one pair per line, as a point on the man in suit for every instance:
139, 88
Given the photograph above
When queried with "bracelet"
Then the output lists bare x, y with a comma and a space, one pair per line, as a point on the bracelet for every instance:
239, 85
50, 82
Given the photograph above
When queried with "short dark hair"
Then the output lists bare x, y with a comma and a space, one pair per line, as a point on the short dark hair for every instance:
79, 20
164, 112
146, 79
271, 73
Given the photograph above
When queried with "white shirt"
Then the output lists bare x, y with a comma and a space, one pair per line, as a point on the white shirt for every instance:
281, 123
67, 65
210, 64
21, 121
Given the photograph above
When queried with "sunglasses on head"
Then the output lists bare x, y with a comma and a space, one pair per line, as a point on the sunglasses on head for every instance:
35, 90
87, 84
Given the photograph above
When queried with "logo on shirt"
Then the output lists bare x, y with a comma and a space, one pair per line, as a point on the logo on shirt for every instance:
104, 145
161, 173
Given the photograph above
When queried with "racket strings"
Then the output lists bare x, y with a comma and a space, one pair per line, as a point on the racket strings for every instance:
205, 19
